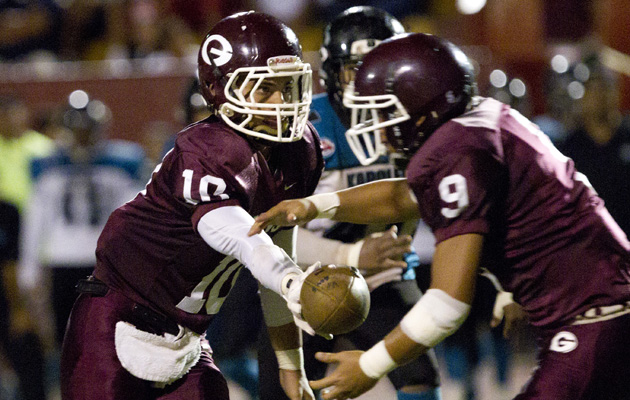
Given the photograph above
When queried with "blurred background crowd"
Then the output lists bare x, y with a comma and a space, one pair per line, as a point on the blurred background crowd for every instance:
92, 92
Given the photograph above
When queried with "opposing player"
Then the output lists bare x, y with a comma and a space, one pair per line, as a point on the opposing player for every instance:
497, 195
167, 259
383, 254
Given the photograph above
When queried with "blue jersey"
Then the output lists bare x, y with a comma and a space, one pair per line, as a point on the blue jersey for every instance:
337, 152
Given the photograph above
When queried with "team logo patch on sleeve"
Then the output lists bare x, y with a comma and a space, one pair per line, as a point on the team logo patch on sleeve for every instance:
328, 147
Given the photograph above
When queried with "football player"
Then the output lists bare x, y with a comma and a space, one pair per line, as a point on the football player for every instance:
498, 195
383, 255
167, 259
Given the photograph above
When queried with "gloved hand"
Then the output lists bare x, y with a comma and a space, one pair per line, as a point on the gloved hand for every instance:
292, 297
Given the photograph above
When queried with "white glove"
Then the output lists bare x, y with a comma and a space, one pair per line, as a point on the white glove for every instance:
292, 297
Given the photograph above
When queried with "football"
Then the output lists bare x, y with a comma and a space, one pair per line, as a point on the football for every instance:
335, 300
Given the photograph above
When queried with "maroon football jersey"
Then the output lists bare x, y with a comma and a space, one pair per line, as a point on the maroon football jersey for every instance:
549, 238
150, 249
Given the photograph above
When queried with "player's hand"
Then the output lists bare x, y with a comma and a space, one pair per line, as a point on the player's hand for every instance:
293, 300
347, 380
382, 251
285, 213
295, 385
514, 315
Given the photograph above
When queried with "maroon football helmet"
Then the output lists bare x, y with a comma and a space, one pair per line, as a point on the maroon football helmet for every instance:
407, 87
248, 48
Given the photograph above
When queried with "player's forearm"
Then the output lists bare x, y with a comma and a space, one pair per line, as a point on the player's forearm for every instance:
384, 201
225, 230
401, 348
286, 341
285, 337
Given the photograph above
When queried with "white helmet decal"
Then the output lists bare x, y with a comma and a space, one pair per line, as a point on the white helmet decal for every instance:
223, 53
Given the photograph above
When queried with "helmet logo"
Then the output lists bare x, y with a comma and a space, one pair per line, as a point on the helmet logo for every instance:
363, 46
223, 52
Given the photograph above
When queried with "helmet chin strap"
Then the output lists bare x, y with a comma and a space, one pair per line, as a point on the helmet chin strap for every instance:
268, 129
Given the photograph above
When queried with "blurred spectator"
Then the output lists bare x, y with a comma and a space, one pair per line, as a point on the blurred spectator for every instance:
557, 119
125, 29
398, 8
509, 90
75, 189
18, 339
194, 105
147, 32
600, 143
159, 137
86, 26
27, 26
18, 146
200, 15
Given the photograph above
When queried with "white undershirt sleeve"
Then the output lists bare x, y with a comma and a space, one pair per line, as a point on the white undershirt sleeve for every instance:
312, 248
225, 230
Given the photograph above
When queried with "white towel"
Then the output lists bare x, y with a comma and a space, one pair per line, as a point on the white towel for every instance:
157, 358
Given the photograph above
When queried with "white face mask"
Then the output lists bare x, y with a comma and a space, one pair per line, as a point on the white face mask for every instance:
366, 126
281, 122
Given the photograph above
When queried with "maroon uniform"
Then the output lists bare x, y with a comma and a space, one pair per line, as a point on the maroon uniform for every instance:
478, 167
151, 256
549, 239
149, 248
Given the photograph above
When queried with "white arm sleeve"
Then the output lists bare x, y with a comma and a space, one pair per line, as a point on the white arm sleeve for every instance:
312, 248
225, 230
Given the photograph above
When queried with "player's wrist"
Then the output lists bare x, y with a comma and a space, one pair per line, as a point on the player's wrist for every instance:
288, 280
376, 362
349, 254
292, 359
326, 204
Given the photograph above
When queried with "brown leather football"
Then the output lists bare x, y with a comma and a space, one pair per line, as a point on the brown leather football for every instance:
335, 300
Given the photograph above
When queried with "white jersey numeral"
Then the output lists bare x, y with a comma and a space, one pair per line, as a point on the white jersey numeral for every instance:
157, 168
210, 300
203, 187
453, 190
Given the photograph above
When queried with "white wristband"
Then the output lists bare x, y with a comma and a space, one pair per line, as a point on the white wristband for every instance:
290, 359
376, 362
502, 300
348, 254
325, 203
433, 318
